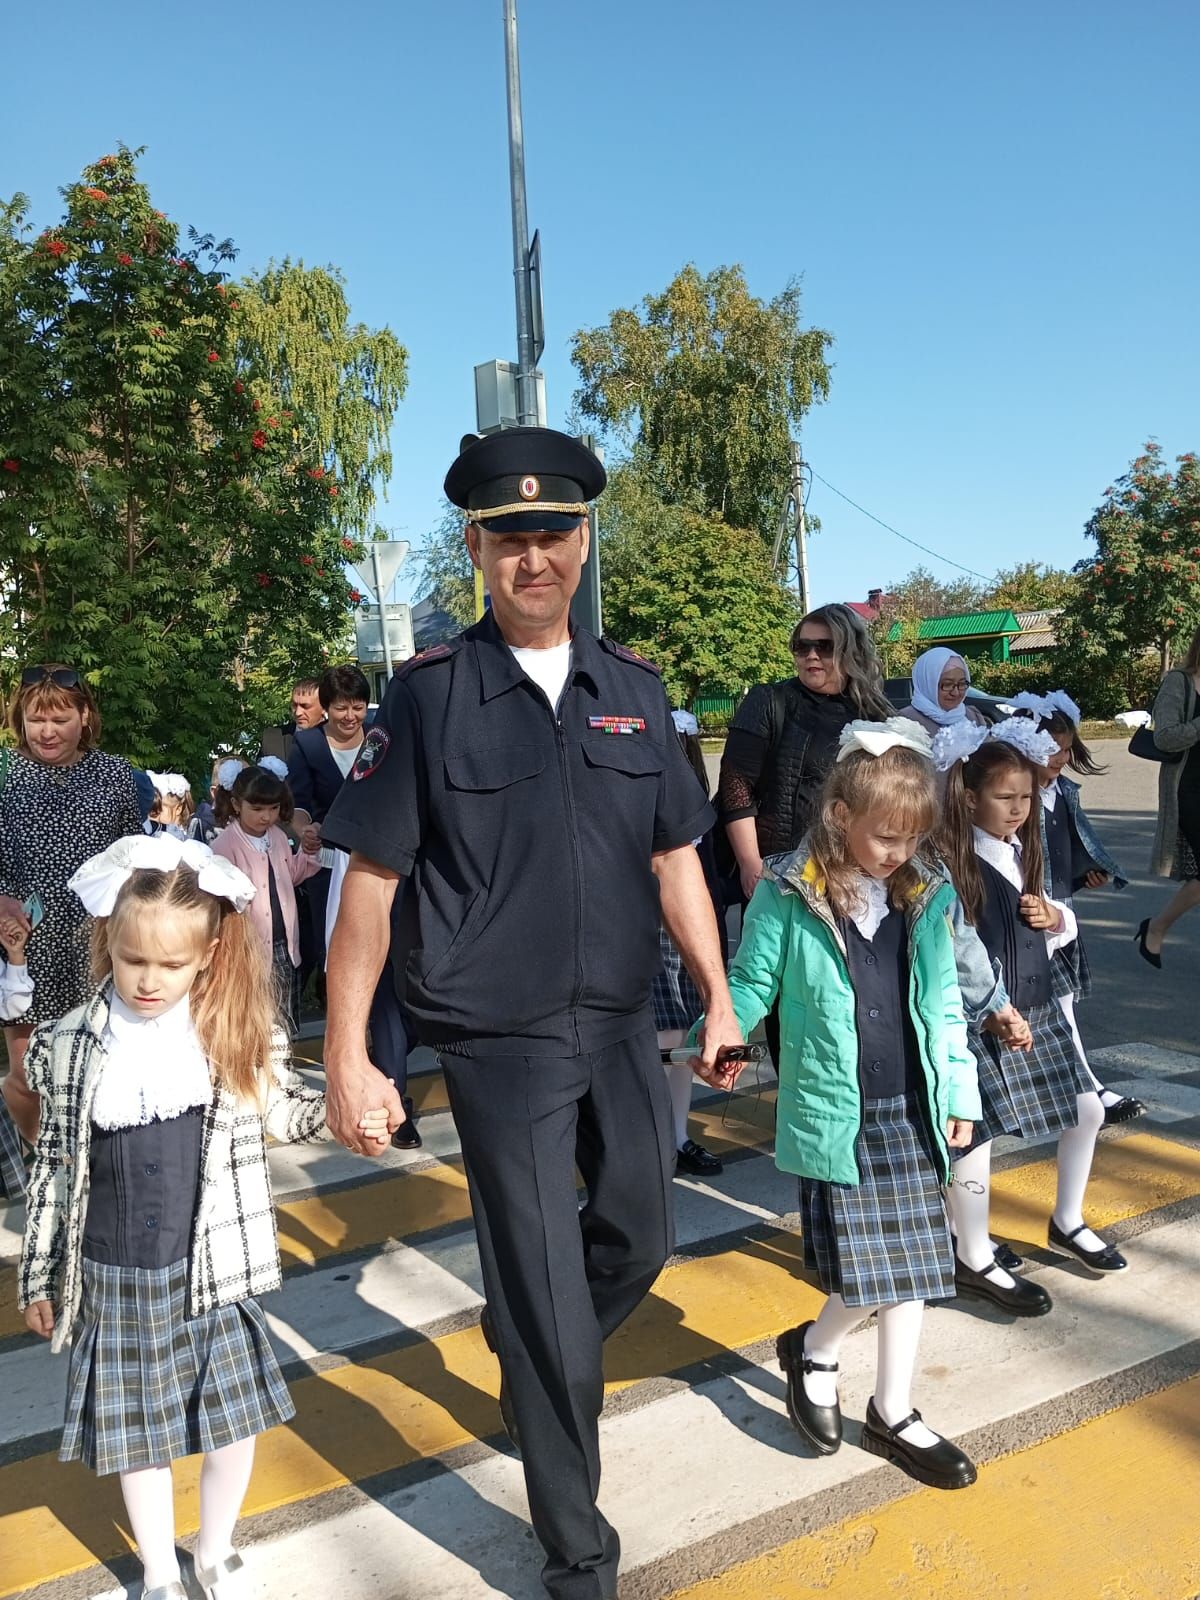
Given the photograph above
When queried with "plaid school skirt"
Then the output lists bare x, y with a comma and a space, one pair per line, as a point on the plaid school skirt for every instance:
287, 985
148, 1384
677, 1003
1071, 972
1030, 1093
887, 1238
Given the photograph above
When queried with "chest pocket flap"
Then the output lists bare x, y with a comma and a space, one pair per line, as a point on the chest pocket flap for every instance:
624, 753
495, 768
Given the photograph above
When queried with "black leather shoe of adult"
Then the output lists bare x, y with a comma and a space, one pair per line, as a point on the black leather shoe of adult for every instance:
820, 1425
1008, 1258
407, 1136
1123, 1111
1144, 950
693, 1157
942, 1465
1020, 1298
507, 1415
1107, 1260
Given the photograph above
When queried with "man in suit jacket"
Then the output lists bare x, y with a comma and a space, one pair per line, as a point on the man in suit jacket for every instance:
306, 713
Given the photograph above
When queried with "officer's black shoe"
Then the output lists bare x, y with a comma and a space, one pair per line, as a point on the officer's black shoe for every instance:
693, 1157
1123, 1110
407, 1136
942, 1465
820, 1425
1019, 1298
507, 1415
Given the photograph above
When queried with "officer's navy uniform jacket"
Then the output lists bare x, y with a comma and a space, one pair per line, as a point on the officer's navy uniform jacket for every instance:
528, 835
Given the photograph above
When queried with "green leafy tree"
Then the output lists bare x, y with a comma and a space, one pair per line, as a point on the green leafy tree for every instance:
695, 596
705, 380
1137, 601
1030, 586
447, 576
166, 523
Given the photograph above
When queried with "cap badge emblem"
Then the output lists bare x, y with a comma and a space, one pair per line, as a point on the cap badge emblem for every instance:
529, 488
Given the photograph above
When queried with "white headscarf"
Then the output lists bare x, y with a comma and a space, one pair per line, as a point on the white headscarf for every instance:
926, 675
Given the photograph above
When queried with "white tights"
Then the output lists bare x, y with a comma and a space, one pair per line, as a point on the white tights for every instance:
899, 1333
969, 1198
1077, 1145
149, 1494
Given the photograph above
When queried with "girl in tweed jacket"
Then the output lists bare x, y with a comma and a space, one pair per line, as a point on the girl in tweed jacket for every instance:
150, 1223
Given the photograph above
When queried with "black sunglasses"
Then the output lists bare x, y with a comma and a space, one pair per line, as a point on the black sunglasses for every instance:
805, 647
64, 677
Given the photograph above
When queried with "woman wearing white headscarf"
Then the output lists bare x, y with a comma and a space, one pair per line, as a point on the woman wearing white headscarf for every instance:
940, 680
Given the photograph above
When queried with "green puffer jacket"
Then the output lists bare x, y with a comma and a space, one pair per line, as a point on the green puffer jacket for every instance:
792, 947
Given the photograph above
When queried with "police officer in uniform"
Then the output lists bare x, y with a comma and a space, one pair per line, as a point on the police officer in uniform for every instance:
528, 780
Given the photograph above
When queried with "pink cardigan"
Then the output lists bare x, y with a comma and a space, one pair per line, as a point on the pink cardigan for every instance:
290, 869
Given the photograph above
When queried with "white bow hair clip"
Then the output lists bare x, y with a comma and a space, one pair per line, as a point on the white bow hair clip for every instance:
877, 737
228, 771
170, 783
1023, 735
957, 741
100, 879
1038, 705
1061, 701
276, 767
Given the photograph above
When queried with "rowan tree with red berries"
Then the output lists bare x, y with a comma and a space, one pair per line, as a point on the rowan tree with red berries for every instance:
170, 522
1137, 602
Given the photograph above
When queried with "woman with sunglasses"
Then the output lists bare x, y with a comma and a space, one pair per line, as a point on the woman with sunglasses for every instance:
784, 738
63, 801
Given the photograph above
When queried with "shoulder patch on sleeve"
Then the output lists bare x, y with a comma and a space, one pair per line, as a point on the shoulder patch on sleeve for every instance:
624, 653
372, 751
436, 652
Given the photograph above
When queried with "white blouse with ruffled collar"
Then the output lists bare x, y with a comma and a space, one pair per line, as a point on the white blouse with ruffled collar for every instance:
154, 1068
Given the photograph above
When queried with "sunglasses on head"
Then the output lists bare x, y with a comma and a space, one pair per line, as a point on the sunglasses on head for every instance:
805, 647
64, 677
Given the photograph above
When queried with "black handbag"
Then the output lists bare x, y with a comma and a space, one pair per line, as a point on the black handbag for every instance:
1142, 744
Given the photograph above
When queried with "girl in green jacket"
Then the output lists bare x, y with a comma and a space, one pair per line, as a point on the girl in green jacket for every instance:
853, 934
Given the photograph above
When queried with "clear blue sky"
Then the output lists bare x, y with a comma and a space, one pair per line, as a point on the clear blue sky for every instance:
992, 209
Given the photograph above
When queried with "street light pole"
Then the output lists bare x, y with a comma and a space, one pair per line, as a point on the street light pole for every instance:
526, 354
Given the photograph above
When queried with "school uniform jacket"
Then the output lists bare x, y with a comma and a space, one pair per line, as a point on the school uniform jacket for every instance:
235, 1250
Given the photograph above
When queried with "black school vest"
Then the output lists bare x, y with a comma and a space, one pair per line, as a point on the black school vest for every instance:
889, 1059
144, 1186
1020, 950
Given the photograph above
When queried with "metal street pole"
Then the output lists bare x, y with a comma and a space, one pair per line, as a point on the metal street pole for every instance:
526, 355
801, 527
382, 601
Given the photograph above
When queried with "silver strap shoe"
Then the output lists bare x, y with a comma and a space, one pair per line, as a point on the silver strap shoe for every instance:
209, 1577
165, 1591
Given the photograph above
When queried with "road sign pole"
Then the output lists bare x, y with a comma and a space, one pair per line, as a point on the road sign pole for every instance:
382, 600
527, 413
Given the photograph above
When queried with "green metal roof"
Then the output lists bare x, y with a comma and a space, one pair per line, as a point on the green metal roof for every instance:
964, 625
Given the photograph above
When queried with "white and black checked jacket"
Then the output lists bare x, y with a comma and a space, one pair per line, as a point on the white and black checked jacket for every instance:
235, 1251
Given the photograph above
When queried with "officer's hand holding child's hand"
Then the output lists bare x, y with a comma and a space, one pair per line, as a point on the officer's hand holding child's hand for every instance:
356, 1091
718, 1033
374, 1125
39, 1318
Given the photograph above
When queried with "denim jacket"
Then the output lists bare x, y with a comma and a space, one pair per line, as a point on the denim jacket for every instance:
1088, 837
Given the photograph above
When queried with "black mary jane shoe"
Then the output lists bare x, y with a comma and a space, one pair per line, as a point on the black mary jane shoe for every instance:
1008, 1258
693, 1157
1019, 1298
1144, 949
507, 1415
942, 1465
820, 1425
407, 1136
1109, 1259
1123, 1110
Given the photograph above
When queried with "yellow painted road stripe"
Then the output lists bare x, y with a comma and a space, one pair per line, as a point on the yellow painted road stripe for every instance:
1104, 1512
432, 1397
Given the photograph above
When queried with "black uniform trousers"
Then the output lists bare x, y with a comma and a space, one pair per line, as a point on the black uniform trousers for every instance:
559, 1280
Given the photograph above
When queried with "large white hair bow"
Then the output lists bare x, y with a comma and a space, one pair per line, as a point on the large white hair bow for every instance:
958, 741
1038, 705
170, 783
276, 767
1023, 735
1061, 701
101, 878
876, 737
228, 771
